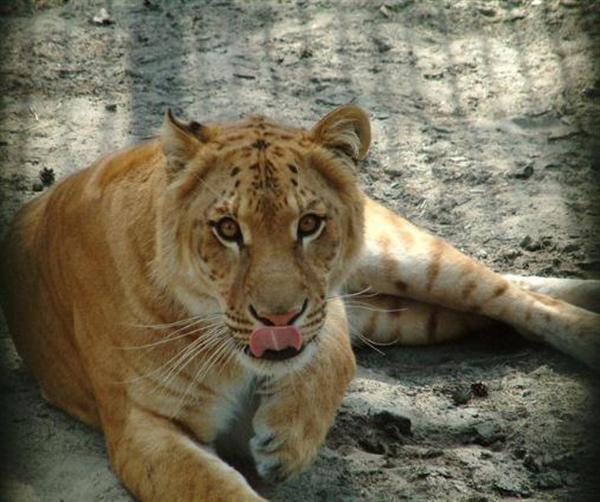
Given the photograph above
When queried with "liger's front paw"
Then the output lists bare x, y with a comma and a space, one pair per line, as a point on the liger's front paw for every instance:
280, 455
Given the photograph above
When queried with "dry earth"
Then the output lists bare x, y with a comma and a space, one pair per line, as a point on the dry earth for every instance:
486, 127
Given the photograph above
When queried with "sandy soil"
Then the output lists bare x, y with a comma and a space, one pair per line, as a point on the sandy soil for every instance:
485, 118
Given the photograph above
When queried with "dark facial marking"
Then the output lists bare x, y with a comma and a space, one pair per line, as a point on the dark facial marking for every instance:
260, 144
233, 139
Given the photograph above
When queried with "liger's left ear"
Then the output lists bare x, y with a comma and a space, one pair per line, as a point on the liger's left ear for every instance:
346, 128
180, 141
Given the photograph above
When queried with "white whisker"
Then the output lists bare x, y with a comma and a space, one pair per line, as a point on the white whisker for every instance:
369, 343
357, 293
185, 358
204, 369
188, 356
176, 335
200, 342
176, 323
365, 306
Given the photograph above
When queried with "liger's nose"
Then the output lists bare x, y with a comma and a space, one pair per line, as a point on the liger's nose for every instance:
271, 319
279, 319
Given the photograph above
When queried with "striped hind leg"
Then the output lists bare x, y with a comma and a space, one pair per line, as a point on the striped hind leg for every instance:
401, 260
390, 320
583, 293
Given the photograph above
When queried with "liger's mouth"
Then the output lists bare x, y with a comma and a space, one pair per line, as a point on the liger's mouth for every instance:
276, 355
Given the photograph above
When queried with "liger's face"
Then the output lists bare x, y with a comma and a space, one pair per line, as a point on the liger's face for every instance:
272, 223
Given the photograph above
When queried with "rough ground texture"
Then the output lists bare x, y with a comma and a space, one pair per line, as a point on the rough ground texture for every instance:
485, 118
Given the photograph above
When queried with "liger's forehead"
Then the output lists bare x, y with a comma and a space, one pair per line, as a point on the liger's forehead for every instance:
259, 133
263, 161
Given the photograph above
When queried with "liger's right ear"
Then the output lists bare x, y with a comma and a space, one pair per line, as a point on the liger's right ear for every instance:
180, 141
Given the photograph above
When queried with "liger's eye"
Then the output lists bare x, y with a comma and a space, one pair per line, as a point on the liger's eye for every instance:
309, 225
228, 230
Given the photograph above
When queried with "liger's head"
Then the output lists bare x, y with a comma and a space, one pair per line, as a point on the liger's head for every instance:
268, 220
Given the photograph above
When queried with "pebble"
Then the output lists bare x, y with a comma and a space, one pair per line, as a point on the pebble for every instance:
382, 46
512, 488
563, 133
245, 76
394, 425
385, 11
533, 463
511, 254
461, 395
487, 433
550, 480
530, 244
479, 389
524, 173
572, 246
47, 176
151, 6
394, 170
103, 18
37, 186
487, 10
516, 14
372, 444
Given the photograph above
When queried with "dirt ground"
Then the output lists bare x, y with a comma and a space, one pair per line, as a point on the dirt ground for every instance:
486, 131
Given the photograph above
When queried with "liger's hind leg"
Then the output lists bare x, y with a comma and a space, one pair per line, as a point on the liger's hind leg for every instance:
388, 319
401, 260
583, 293
391, 320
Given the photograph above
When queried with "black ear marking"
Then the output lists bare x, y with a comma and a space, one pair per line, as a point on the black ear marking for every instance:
195, 128
181, 141
192, 128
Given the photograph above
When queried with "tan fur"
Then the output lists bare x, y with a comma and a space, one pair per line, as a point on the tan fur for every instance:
134, 316
455, 294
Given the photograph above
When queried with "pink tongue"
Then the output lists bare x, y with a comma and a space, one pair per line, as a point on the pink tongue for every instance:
274, 338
